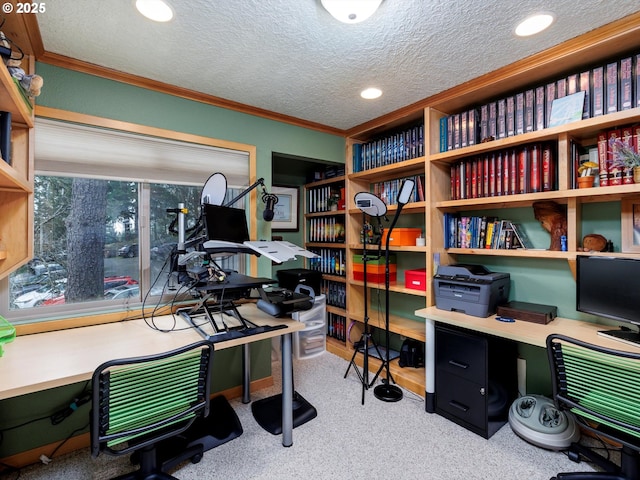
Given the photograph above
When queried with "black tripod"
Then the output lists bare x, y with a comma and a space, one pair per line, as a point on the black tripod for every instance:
371, 204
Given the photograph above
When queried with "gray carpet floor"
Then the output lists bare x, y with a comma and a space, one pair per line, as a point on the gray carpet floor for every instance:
347, 440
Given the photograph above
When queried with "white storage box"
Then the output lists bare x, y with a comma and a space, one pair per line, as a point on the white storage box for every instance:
311, 341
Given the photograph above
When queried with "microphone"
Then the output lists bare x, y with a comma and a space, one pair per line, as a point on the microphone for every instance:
270, 200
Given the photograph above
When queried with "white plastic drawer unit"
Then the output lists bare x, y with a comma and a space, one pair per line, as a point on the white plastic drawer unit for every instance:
311, 341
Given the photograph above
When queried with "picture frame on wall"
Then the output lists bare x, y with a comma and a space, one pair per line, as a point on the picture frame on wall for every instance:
631, 225
285, 212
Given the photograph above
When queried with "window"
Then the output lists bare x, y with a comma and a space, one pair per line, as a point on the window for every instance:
103, 233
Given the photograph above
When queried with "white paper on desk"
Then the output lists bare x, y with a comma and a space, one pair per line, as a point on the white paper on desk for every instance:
279, 251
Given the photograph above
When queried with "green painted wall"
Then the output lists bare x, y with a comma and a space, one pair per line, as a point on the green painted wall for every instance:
82, 93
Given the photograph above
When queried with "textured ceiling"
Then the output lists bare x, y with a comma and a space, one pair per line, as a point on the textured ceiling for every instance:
293, 58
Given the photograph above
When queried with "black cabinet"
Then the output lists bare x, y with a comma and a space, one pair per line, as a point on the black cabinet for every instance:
476, 379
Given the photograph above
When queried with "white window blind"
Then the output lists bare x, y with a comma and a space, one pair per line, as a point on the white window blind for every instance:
112, 154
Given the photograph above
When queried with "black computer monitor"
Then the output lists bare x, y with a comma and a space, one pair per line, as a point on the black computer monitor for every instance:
225, 223
608, 287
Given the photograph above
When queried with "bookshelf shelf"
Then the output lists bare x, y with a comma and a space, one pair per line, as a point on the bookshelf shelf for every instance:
585, 195
16, 178
523, 253
393, 170
11, 101
324, 214
393, 287
406, 327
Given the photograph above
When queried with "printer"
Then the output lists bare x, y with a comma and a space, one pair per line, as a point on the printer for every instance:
470, 289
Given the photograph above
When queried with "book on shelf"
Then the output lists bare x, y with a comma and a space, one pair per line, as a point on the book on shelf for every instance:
5, 136
450, 132
444, 132
456, 131
501, 119
626, 87
540, 108
636, 77
464, 129
549, 97
493, 120
511, 116
484, 121
420, 188
611, 87
472, 126
561, 88
548, 168
523, 240
597, 89
497, 188
519, 113
603, 167
585, 86
513, 171
529, 111
535, 162
572, 84
524, 170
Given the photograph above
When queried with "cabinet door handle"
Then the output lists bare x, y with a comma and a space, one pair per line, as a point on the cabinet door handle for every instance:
458, 405
464, 366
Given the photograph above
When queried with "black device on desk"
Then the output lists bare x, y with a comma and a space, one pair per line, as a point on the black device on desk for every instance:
608, 287
470, 289
217, 305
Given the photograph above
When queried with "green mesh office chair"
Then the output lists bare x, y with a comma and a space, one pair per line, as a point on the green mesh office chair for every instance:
601, 387
139, 402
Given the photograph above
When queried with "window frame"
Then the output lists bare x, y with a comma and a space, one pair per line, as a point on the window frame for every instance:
99, 312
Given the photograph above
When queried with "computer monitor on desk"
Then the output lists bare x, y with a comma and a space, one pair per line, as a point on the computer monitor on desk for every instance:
225, 224
226, 229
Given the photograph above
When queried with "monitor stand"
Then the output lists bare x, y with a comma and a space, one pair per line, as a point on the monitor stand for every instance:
626, 335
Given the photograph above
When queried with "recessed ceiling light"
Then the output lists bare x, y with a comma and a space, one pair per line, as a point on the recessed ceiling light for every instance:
156, 10
534, 24
371, 93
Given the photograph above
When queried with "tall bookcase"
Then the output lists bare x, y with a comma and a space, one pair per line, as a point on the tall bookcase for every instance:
16, 179
324, 234
597, 47
374, 179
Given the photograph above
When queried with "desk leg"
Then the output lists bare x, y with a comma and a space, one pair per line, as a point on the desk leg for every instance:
430, 366
287, 390
246, 373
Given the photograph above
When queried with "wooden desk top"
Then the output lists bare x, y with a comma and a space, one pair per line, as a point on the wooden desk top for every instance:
527, 332
46, 360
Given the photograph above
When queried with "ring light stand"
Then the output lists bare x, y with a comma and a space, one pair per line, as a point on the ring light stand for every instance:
373, 206
385, 391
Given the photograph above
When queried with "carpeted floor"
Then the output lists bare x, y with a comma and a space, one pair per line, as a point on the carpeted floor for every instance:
346, 441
